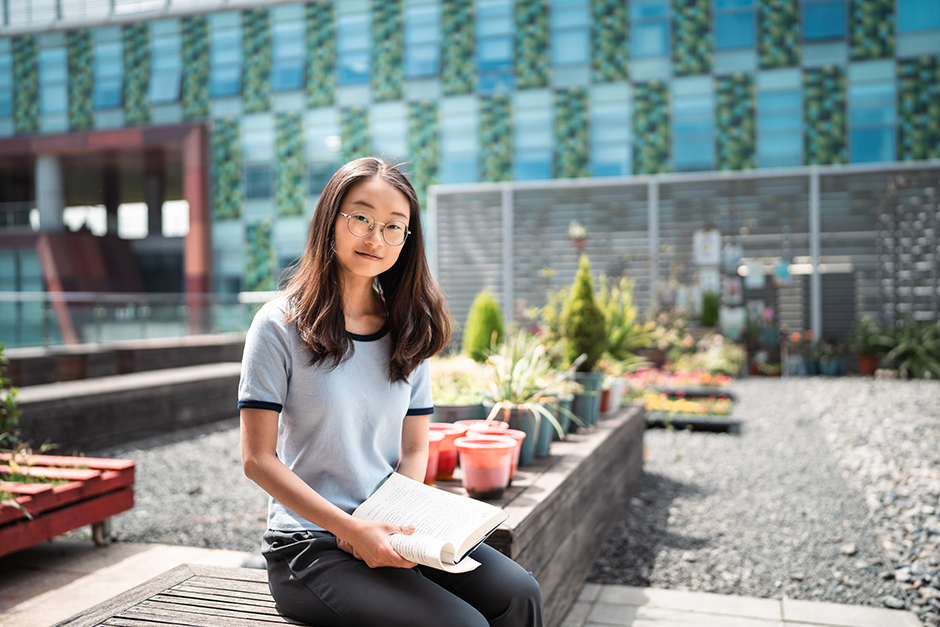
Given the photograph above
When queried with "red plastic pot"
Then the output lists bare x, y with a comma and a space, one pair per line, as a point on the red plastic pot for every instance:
474, 425
515, 434
446, 451
485, 461
434, 442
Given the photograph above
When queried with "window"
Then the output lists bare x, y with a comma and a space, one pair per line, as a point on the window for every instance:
422, 41
734, 24
918, 15
258, 183
354, 48
289, 49
871, 121
389, 132
494, 30
459, 146
823, 19
570, 32
109, 68
779, 128
649, 28
610, 139
225, 57
6, 84
166, 66
693, 130
53, 80
321, 148
258, 155
532, 141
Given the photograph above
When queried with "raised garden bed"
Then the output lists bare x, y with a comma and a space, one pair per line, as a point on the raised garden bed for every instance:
72, 492
696, 422
694, 391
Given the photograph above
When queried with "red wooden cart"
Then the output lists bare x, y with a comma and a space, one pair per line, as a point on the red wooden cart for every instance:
95, 490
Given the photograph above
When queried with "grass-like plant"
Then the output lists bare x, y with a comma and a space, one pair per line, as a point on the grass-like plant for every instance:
625, 332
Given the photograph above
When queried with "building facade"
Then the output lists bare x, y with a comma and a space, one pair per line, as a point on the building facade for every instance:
463, 91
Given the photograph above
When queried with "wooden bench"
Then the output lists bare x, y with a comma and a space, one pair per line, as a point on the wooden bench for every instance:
560, 508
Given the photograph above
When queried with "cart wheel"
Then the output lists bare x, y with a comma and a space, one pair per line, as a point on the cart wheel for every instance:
101, 532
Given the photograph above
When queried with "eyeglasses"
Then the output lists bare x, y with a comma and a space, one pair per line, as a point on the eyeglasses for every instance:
361, 223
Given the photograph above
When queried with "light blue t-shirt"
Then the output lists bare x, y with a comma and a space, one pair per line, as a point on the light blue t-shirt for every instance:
339, 429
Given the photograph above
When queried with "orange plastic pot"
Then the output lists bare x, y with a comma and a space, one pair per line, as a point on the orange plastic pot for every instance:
434, 442
485, 461
515, 434
473, 425
446, 451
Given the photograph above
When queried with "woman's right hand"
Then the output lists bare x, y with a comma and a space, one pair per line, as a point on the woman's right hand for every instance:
369, 541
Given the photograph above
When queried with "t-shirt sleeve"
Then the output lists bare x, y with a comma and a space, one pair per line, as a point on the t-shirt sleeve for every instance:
422, 404
266, 363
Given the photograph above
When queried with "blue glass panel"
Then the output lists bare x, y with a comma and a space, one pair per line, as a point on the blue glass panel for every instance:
166, 55
650, 39
778, 121
569, 17
871, 145
610, 159
779, 149
778, 100
258, 181
734, 30
694, 155
354, 68
496, 25
459, 168
287, 74
353, 32
225, 80
108, 92
6, 103
570, 47
532, 165
422, 60
53, 98
494, 52
824, 20
318, 175
733, 4
871, 115
52, 65
918, 15
871, 93
165, 86
640, 9
495, 81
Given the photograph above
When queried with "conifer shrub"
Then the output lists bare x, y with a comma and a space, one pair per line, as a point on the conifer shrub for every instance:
710, 305
484, 328
583, 325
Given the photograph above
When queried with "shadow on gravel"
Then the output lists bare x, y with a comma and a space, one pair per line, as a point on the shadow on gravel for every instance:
628, 556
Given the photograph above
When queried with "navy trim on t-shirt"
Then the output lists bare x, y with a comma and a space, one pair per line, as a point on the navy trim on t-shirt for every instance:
378, 335
420, 411
260, 405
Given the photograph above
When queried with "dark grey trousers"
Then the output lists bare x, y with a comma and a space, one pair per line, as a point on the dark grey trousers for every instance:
315, 582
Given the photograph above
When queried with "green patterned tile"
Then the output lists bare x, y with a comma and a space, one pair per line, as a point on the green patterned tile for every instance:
195, 53
778, 40
572, 134
495, 138
651, 131
226, 169
354, 133
919, 108
734, 112
321, 55
423, 146
458, 61
609, 52
256, 67
691, 37
25, 85
260, 265
81, 80
136, 73
532, 66
388, 77
290, 191
872, 29
824, 121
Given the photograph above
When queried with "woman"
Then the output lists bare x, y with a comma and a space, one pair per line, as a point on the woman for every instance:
334, 396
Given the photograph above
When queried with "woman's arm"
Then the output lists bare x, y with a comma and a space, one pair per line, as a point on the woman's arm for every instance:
368, 540
414, 448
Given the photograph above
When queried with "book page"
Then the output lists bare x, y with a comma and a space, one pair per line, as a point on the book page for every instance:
430, 552
435, 513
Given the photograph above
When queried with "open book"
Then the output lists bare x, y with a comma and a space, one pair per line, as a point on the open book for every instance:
447, 526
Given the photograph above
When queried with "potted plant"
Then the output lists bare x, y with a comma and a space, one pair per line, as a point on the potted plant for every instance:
870, 340
915, 350
456, 385
584, 333
484, 327
519, 379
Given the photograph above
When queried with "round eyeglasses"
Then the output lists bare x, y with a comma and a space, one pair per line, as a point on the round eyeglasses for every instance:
361, 223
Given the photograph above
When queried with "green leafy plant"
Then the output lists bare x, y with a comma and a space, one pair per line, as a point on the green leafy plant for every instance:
484, 328
456, 380
714, 354
869, 337
625, 332
916, 350
9, 409
583, 325
709, 309
520, 374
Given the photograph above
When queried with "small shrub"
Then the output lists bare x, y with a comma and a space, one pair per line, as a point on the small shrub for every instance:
582, 321
484, 329
709, 309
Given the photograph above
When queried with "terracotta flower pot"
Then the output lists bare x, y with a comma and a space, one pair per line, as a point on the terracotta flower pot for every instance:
472, 425
867, 364
446, 452
434, 442
515, 434
485, 461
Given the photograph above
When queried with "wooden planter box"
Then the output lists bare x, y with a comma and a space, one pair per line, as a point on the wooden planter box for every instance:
96, 490
696, 422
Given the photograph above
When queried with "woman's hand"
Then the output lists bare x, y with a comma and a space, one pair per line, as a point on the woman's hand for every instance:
369, 542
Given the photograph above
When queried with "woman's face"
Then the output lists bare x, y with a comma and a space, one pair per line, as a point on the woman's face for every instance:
370, 256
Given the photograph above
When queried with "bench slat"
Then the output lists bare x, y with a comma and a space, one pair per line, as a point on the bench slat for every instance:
202, 600
218, 593
236, 585
212, 609
190, 619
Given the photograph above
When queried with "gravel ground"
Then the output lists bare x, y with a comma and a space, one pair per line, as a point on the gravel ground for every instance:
828, 492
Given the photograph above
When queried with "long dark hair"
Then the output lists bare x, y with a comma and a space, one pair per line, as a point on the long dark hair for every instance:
419, 324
